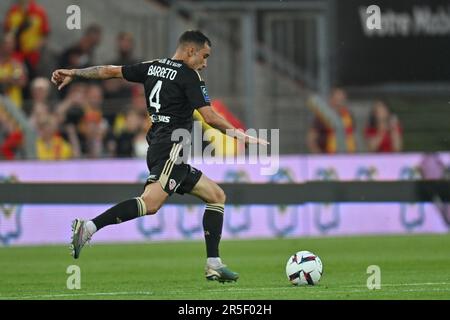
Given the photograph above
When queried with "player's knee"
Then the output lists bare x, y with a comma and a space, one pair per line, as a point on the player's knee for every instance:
153, 209
219, 196
151, 206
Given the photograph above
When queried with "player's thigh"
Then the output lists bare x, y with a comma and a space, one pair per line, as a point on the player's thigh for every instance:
154, 197
208, 191
165, 178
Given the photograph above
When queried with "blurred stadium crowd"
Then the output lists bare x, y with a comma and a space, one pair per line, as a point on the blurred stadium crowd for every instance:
86, 120
91, 119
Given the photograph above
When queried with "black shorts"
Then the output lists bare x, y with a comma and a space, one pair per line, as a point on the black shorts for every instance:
161, 162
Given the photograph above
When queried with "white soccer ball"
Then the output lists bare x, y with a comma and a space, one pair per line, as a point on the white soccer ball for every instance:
304, 268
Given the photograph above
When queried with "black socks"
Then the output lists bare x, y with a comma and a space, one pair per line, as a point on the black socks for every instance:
124, 211
212, 225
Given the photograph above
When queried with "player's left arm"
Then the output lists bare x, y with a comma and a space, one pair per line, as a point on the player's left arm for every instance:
198, 96
63, 77
216, 121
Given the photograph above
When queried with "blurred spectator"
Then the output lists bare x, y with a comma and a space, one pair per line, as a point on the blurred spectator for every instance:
81, 54
119, 91
93, 105
49, 143
94, 109
220, 107
383, 132
140, 140
225, 145
12, 72
73, 59
81, 120
39, 113
28, 23
125, 140
70, 113
138, 100
94, 99
80, 117
40, 88
94, 131
11, 137
70, 109
332, 129
138, 103
125, 50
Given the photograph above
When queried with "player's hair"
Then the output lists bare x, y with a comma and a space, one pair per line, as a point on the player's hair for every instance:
194, 36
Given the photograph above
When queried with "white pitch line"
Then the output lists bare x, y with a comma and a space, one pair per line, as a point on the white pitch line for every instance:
402, 284
79, 295
237, 289
324, 290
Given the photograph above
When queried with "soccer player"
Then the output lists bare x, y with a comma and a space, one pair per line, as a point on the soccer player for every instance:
173, 88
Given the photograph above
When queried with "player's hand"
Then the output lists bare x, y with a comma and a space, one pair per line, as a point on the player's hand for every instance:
253, 140
62, 77
247, 139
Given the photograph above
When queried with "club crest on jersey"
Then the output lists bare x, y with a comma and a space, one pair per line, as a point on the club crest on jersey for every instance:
172, 184
205, 93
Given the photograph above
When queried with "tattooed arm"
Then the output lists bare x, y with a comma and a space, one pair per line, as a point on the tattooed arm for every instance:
63, 77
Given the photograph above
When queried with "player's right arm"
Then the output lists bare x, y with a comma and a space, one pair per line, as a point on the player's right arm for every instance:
134, 73
63, 77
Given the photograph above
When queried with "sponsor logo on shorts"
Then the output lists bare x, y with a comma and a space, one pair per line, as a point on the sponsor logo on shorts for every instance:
172, 184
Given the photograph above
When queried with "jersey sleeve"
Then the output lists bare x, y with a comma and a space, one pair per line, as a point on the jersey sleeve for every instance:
196, 91
136, 72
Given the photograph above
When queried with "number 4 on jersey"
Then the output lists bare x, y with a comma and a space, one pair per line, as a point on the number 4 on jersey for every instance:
154, 96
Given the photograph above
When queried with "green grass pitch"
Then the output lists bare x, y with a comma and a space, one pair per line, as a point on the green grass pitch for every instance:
412, 267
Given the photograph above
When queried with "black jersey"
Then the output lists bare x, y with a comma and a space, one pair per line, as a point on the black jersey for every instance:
173, 91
